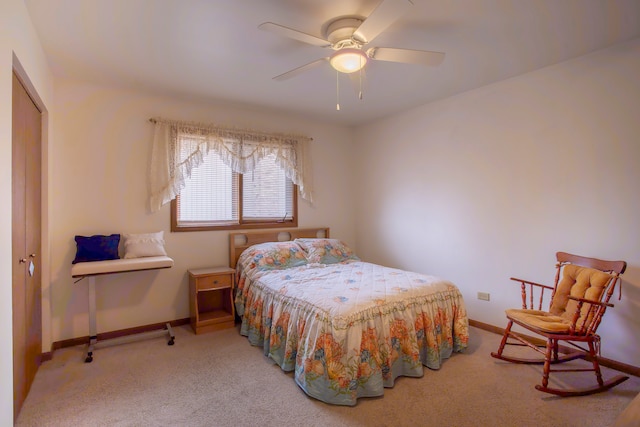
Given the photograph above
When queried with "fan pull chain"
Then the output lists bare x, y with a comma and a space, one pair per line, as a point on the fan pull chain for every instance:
337, 90
360, 92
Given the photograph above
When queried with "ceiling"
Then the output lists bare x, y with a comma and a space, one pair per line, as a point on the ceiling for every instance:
213, 50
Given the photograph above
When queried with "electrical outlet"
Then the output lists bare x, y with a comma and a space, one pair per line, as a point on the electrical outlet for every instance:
483, 296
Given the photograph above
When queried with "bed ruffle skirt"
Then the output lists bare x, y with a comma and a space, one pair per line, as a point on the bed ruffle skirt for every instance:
341, 355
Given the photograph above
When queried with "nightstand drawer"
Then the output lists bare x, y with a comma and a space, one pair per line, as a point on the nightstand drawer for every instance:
213, 282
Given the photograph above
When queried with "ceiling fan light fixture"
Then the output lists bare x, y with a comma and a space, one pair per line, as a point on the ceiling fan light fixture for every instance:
348, 60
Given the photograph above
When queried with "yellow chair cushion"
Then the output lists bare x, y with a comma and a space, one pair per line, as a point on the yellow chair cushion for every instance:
577, 281
580, 282
541, 320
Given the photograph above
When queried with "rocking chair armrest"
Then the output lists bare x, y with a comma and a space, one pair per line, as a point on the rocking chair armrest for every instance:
590, 301
529, 300
526, 282
590, 319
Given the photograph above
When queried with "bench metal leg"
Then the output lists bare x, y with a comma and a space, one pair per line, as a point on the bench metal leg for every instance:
93, 329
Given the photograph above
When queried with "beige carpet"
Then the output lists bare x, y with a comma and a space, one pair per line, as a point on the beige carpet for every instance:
218, 379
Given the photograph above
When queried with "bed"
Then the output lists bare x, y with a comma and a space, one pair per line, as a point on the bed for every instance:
346, 328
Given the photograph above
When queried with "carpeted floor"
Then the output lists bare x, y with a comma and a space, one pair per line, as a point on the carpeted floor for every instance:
218, 379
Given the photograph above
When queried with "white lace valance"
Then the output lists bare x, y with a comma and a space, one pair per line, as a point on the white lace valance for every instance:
178, 147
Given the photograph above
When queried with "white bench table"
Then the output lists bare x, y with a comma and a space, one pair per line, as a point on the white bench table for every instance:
97, 268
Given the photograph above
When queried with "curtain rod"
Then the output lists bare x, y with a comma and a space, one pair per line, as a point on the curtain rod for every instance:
152, 120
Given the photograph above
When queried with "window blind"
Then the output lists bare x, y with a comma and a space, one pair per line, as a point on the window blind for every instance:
210, 195
266, 192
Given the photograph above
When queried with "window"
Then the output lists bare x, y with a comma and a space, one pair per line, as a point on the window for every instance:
216, 197
227, 178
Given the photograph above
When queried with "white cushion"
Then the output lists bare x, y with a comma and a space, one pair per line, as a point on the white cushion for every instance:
120, 265
144, 245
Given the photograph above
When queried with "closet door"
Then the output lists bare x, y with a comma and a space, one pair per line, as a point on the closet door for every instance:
26, 237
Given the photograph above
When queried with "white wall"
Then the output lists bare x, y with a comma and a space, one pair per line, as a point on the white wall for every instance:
100, 185
491, 183
20, 49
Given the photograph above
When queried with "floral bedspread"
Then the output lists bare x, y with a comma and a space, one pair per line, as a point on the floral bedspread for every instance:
350, 329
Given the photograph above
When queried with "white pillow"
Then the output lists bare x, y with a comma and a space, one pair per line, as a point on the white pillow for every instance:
143, 245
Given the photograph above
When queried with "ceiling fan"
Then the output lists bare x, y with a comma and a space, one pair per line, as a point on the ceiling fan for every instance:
348, 36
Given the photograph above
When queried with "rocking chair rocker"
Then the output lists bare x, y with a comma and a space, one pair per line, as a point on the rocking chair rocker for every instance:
579, 299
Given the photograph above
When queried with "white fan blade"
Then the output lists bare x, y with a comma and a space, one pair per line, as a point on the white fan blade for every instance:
294, 34
301, 69
408, 56
382, 16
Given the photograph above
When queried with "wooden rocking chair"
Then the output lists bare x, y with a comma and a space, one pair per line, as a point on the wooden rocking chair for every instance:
579, 299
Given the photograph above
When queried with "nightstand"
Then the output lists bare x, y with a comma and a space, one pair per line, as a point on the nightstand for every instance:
211, 299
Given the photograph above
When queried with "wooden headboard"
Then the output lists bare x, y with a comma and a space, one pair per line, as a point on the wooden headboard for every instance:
240, 241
